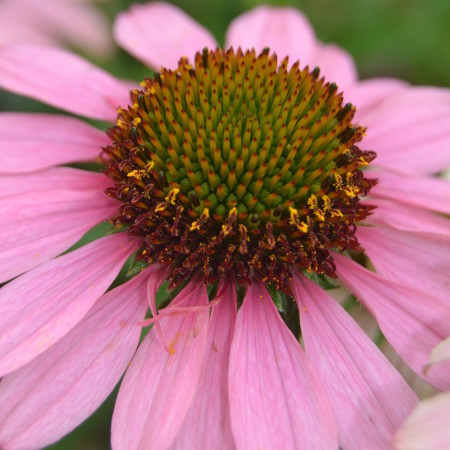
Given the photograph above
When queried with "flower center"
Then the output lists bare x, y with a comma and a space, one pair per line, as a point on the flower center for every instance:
239, 163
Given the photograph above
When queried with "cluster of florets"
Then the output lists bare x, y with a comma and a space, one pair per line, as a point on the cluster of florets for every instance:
239, 163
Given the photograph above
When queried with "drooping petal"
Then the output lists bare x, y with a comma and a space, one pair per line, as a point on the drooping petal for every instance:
54, 178
409, 131
408, 218
363, 387
427, 427
408, 257
207, 424
276, 400
41, 307
159, 34
159, 386
47, 398
412, 321
424, 192
61, 79
31, 142
284, 30
440, 353
366, 95
40, 225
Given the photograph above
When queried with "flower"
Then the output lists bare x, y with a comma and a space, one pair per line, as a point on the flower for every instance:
72, 22
427, 426
266, 224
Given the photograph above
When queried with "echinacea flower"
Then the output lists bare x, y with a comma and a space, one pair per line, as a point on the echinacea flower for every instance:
427, 426
247, 181
70, 22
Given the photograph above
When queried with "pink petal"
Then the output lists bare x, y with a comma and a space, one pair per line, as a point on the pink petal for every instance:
31, 142
424, 192
409, 131
159, 34
363, 387
440, 353
19, 24
159, 386
408, 218
51, 179
61, 79
276, 399
367, 95
76, 22
70, 380
41, 307
40, 225
285, 31
336, 65
412, 321
408, 258
207, 424
427, 427
288, 33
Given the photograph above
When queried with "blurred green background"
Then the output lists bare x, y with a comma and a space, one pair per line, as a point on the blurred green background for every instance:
409, 39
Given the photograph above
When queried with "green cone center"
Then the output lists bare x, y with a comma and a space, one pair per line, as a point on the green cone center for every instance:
238, 163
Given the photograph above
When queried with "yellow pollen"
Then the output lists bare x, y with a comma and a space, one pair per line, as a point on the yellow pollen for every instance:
136, 174
121, 124
312, 202
161, 207
326, 203
137, 121
226, 229
172, 196
294, 220
233, 213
